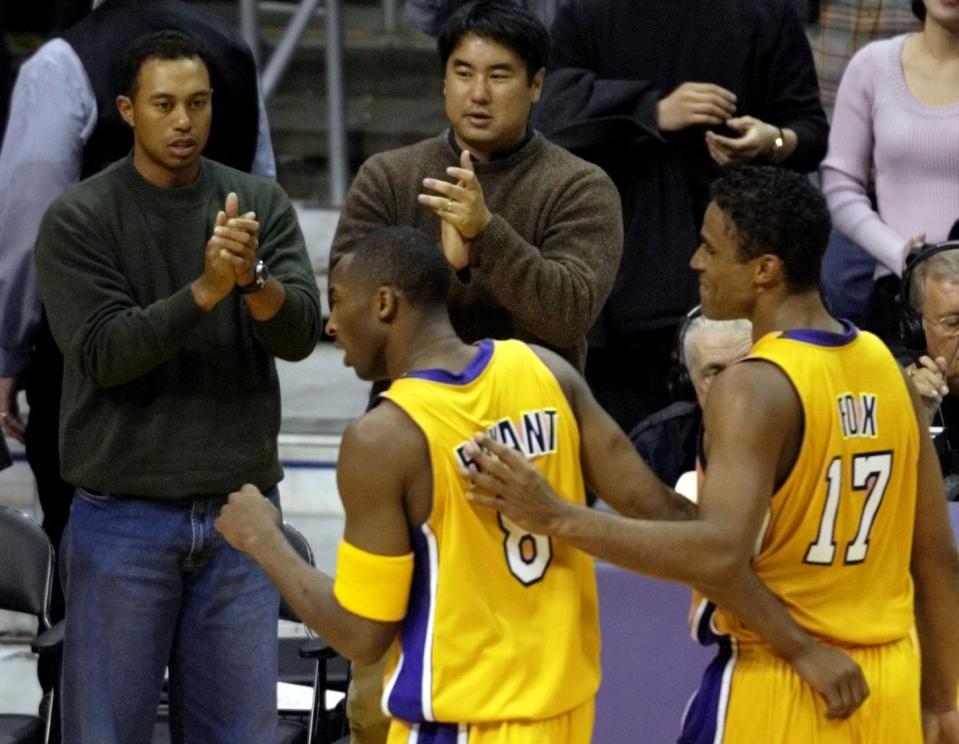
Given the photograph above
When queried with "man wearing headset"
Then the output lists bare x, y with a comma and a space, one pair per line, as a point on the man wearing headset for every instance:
931, 333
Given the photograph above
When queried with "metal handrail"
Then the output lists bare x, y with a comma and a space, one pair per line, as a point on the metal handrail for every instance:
274, 69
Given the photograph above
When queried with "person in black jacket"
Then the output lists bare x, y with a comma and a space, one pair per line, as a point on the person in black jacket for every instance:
664, 95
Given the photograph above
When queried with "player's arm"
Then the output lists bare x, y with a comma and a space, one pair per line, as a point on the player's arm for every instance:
374, 567
749, 414
611, 466
935, 573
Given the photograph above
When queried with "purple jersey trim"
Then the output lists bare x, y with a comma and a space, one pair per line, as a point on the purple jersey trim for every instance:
702, 717
406, 697
823, 338
704, 630
437, 733
469, 373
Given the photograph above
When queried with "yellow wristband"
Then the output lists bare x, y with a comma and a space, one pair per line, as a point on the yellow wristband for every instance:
371, 585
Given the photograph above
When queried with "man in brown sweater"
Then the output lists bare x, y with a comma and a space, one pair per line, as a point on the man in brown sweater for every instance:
533, 233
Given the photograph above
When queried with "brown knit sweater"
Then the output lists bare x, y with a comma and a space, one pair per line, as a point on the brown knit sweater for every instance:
542, 268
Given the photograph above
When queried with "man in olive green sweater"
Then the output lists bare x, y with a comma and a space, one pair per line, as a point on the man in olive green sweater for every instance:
533, 233
170, 305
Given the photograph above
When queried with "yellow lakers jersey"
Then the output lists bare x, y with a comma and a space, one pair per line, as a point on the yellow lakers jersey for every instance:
838, 538
501, 624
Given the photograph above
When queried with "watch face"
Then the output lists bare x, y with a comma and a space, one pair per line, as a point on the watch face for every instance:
261, 274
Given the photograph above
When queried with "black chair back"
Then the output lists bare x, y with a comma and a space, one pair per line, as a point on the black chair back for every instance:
302, 547
26, 566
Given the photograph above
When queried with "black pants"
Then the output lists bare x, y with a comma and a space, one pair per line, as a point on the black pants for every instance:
43, 388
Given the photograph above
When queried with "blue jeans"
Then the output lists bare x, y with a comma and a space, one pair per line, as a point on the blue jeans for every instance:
847, 278
150, 584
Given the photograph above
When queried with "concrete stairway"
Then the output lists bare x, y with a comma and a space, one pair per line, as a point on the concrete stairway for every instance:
393, 93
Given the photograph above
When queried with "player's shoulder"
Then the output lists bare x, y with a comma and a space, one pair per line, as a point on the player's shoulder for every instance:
754, 388
385, 430
552, 360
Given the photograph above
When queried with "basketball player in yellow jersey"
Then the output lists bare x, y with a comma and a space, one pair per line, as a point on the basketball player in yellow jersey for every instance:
496, 629
818, 478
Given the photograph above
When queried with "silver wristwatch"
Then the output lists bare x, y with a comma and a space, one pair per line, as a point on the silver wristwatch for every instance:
261, 275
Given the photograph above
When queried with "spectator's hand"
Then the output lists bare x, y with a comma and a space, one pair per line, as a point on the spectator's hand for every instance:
461, 204
456, 248
913, 245
833, 675
509, 483
940, 728
239, 238
756, 138
692, 104
10, 409
218, 277
929, 378
248, 521
229, 251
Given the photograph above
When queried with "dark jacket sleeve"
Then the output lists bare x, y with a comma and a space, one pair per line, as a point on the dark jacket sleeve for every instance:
580, 109
791, 97
667, 439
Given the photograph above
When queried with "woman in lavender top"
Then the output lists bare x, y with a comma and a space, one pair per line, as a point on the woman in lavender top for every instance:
897, 112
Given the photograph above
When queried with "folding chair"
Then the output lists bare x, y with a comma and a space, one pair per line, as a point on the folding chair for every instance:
322, 725
26, 582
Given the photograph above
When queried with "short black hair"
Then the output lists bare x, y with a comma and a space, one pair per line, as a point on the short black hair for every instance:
954, 231
156, 45
500, 21
778, 211
406, 259
919, 10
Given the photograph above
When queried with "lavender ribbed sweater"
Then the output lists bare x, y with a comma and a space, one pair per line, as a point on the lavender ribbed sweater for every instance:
915, 149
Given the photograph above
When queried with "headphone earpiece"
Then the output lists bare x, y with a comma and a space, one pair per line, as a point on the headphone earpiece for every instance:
679, 384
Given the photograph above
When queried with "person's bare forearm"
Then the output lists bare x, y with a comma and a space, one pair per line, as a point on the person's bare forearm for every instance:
267, 302
669, 506
745, 596
677, 551
692, 553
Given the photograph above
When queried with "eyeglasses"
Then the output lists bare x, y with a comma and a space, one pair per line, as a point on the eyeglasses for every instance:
948, 323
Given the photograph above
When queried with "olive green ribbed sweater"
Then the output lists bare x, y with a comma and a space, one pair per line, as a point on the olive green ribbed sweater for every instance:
161, 399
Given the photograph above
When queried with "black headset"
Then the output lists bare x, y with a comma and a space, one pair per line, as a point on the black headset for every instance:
680, 384
910, 322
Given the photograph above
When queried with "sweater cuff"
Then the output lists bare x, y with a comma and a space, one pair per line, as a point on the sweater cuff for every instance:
494, 236
290, 334
182, 310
